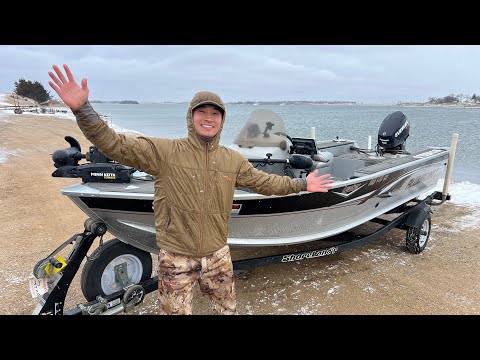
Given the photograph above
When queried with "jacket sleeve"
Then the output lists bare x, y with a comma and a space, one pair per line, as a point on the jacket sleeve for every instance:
139, 152
267, 184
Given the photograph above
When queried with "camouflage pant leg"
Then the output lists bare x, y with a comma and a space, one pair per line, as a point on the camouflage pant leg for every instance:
216, 280
177, 275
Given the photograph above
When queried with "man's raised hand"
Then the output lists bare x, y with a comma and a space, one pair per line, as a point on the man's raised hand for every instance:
69, 91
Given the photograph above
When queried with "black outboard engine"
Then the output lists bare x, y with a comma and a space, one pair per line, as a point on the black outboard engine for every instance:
393, 134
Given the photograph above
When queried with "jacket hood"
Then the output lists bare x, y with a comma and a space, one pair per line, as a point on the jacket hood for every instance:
204, 98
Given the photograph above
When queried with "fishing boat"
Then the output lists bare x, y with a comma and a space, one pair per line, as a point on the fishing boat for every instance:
368, 183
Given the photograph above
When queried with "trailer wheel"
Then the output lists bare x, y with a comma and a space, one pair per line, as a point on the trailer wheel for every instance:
417, 237
98, 275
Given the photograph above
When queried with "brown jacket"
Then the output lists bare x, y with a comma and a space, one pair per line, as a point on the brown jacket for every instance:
194, 179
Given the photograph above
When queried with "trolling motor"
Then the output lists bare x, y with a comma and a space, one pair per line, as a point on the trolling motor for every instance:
393, 134
99, 169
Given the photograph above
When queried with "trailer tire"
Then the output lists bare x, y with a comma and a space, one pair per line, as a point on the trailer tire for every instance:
98, 276
417, 237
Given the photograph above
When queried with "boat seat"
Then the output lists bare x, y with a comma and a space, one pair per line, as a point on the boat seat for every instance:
322, 159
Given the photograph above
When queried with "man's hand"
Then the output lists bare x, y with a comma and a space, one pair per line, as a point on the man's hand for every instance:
318, 184
68, 90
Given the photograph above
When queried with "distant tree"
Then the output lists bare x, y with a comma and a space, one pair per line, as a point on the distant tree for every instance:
463, 97
450, 99
33, 90
475, 98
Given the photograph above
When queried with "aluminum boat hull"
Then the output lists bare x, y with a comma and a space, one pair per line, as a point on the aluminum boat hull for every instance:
364, 188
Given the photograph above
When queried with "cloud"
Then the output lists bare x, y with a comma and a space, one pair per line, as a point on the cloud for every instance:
368, 73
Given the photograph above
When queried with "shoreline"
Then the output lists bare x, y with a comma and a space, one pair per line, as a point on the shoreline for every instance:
380, 278
6, 98
292, 103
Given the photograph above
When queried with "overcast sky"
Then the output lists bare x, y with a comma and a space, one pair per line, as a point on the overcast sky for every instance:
155, 73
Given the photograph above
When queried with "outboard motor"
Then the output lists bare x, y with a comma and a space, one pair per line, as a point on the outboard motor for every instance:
69, 156
393, 134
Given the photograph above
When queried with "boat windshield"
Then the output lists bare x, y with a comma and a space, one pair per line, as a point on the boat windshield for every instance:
264, 128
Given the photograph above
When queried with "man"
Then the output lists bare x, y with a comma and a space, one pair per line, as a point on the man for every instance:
195, 179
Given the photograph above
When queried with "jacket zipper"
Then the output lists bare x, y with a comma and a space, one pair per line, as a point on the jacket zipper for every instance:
203, 208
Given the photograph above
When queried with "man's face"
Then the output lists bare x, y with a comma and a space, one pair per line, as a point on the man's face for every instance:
207, 120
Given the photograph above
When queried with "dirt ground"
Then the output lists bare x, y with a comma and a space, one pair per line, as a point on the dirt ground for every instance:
379, 278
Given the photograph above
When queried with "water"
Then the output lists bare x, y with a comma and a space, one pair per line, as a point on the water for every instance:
429, 126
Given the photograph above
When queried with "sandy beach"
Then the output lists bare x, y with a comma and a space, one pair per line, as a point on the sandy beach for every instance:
379, 278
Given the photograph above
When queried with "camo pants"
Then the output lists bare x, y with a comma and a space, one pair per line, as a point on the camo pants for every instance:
177, 275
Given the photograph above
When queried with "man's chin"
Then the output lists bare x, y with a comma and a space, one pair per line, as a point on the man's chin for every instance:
206, 138
207, 135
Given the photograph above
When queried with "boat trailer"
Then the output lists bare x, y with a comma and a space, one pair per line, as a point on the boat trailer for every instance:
57, 274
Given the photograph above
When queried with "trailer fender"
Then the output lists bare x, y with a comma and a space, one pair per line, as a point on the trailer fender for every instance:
417, 215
